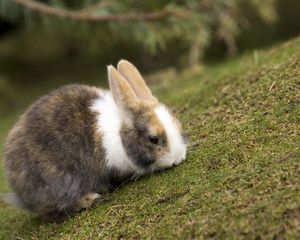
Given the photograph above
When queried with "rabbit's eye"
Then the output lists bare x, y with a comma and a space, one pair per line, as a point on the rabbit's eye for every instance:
153, 139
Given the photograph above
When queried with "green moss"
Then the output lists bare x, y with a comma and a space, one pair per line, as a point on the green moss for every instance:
241, 177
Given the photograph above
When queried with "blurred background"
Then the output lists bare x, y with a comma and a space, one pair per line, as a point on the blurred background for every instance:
48, 43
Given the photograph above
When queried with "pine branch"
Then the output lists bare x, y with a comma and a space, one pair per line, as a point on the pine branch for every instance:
94, 7
79, 15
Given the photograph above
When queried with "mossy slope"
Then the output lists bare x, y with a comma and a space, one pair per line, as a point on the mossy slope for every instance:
242, 175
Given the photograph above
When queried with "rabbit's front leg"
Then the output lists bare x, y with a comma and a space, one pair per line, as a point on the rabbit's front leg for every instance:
86, 201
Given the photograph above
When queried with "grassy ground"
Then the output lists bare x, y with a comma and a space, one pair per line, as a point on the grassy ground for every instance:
242, 175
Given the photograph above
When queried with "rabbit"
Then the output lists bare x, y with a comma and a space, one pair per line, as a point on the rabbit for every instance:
79, 142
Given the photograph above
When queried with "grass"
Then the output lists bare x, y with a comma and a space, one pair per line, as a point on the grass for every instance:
241, 176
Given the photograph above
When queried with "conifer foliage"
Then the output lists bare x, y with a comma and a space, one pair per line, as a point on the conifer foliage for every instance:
153, 23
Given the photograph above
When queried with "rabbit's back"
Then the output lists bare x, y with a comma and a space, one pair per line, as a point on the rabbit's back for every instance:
53, 155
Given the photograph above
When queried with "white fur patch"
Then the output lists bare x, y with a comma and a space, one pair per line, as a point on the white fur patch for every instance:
177, 147
109, 123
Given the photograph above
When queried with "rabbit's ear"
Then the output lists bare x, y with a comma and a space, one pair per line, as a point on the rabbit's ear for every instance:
136, 81
122, 93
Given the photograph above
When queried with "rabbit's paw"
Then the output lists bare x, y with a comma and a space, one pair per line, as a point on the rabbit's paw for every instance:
87, 201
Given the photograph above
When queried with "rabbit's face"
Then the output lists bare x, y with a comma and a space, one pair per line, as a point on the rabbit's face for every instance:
154, 140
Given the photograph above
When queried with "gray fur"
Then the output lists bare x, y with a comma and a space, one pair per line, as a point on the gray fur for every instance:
139, 152
11, 198
50, 158
136, 143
